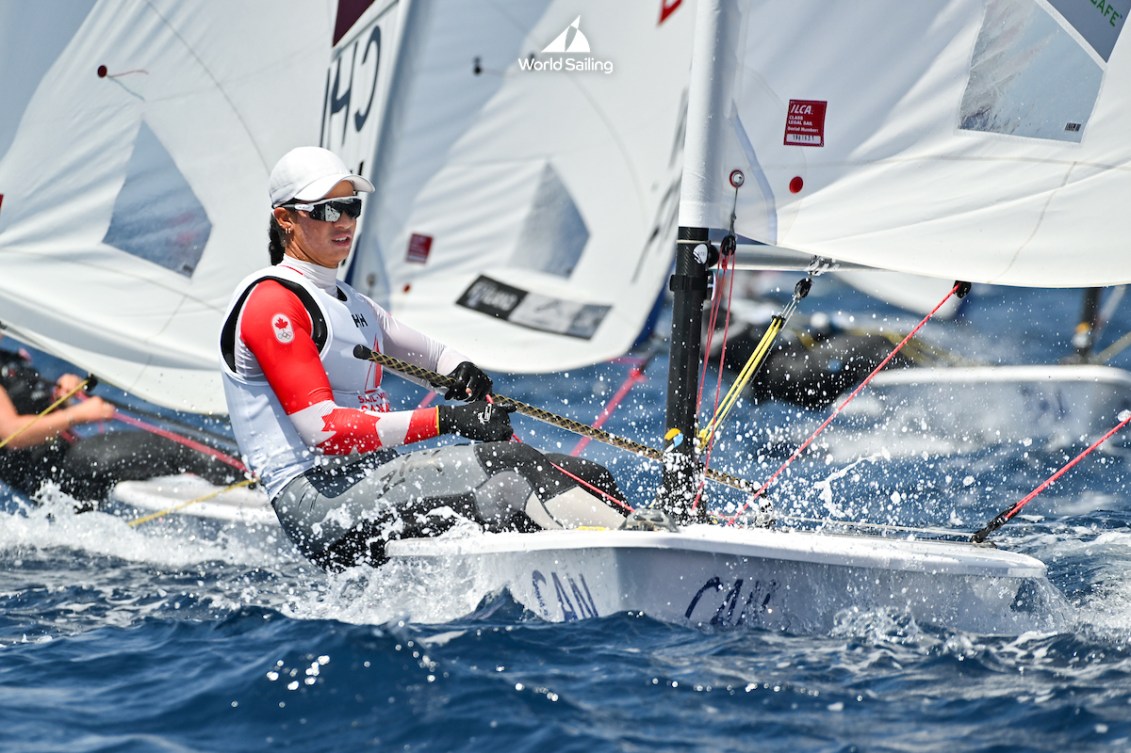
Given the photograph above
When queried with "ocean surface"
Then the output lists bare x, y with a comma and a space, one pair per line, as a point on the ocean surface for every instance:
179, 636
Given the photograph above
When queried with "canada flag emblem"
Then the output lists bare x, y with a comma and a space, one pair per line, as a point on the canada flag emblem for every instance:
282, 328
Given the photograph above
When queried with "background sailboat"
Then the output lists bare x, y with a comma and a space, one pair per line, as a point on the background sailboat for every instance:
512, 215
136, 142
526, 195
900, 181
522, 214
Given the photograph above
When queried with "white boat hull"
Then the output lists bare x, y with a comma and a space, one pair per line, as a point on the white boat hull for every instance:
190, 496
961, 409
726, 577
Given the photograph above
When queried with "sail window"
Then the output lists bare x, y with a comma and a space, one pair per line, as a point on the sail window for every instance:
554, 234
1028, 76
157, 217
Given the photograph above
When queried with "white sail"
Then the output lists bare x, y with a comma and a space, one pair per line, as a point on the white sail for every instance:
982, 140
134, 164
526, 200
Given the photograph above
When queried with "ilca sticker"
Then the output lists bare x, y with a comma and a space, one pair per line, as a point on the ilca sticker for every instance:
805, 123
284, 332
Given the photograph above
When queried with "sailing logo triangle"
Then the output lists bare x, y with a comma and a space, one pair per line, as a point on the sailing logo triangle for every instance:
570, 41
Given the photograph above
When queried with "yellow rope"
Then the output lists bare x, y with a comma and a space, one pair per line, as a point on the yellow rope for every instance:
43, 413
744, 377
183, 505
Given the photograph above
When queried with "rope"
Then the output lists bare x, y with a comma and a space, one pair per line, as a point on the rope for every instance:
183, 505
546, 416
804, 445
81, 385
190, 443
748, 370
1006, 515
635, 376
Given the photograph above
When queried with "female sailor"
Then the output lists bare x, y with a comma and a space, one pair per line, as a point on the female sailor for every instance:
318, 430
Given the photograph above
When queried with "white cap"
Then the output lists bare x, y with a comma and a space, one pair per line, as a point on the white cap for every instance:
308, 173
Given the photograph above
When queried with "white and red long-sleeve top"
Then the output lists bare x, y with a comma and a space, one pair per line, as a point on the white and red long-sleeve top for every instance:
295, 391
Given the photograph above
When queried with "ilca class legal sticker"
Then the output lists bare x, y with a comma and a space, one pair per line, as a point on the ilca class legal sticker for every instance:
805, 122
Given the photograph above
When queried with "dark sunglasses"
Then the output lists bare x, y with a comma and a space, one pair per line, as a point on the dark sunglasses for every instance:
330, 210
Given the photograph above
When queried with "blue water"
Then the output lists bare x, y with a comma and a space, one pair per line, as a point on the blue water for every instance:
173, 637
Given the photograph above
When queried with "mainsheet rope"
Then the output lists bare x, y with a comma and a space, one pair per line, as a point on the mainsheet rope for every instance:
958, 286
404, 367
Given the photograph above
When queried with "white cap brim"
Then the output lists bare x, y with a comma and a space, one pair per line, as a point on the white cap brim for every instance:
323, 186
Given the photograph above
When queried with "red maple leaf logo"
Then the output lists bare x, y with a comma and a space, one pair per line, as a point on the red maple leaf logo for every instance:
350, 430
281, 322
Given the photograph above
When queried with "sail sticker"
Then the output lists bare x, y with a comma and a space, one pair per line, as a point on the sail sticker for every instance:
419, 247
1099, 22
533, 310
805, 123
1030, 76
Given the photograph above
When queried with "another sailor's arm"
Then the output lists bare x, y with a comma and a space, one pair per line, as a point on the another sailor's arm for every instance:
48, 426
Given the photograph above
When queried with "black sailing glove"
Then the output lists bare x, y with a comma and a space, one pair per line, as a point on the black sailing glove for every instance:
471, 383
478, 420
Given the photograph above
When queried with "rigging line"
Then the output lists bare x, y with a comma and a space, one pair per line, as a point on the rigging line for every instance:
716, 301
960, 289
364, 353
179, 439
709, 446
178, 507
749, 370
1114, 349
704, 441
593, 489
190, 443
1006, 515
635, 376
726, 251
223, 442
81, 386
755, 362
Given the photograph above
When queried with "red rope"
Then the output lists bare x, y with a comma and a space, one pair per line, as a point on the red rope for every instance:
222, 457
804, 445
635, 376
721, 367
190, 443
1051, 479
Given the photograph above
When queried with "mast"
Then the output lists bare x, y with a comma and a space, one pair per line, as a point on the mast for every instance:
682, 469
694, 257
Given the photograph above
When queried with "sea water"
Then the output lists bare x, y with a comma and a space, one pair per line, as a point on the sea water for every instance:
172, 637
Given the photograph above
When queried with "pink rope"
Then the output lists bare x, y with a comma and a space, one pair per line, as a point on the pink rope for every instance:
222, 457
804, 445
1051, 479
635, 376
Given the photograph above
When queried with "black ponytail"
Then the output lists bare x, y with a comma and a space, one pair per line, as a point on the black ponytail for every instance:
275, 241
